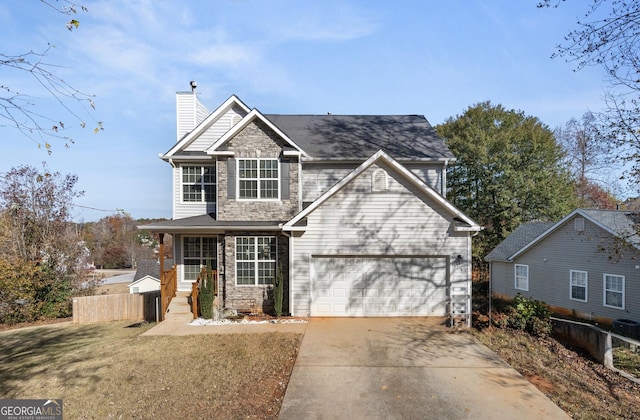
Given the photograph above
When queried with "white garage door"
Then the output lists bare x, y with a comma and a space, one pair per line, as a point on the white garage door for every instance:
362, 286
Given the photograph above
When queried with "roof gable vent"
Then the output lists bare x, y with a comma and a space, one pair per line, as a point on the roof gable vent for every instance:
578, 224
379, 181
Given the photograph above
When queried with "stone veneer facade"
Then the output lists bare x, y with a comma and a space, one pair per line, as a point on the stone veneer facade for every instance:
257, 140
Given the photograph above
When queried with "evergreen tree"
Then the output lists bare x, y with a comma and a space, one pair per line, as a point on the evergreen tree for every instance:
508, 171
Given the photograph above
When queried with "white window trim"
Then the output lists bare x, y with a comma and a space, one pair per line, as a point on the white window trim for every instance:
604, 291
238, 197
202, 184
586, 286
255, 260
201, 258
515, 277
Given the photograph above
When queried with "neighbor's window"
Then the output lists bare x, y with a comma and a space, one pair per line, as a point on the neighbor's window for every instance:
522, 277
199, 183
578, 284
198, 252
255, 260
614, 291
258, 179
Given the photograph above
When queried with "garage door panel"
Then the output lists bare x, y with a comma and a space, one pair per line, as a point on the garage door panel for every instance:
367, 286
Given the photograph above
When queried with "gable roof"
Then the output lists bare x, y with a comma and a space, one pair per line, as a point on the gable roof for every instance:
206, 123
461, 221
140, 280
520, 237
619, 223
251, 116
329, 137
357, 137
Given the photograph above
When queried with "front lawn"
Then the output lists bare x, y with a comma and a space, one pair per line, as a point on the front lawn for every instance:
109, 371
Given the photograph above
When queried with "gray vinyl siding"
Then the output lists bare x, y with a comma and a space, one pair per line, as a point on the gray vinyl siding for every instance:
187, 209
552, 259
319, 177
185, 113
431, 174
216, 130
356, 221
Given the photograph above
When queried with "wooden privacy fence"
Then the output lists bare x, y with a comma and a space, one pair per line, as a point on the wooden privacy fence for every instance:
135, 307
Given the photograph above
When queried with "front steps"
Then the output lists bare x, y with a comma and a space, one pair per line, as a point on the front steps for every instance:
179, 308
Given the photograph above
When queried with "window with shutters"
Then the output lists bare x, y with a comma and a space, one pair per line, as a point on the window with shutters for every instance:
258, 179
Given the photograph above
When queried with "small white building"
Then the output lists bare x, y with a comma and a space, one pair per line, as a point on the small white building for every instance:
145, 284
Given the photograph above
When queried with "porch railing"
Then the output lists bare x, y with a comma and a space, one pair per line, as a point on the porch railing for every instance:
168, 287
195, 289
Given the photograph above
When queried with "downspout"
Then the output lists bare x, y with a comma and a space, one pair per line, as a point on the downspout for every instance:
288, 235
173, 188
443, 178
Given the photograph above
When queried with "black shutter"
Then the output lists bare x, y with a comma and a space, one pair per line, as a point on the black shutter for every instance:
231, 178
284, 179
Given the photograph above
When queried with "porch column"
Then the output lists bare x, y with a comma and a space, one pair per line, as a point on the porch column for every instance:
161, 235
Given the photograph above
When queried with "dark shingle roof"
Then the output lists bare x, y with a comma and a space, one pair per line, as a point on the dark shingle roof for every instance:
360, 136
150, 267
623, 224
206, 222
517, 240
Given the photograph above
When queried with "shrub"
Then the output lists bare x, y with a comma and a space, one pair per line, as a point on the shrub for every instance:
529, 315
206, 295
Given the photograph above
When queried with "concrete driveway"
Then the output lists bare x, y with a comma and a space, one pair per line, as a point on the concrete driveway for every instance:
404, 368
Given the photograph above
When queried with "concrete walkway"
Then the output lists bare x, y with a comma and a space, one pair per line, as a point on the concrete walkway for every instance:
391, 368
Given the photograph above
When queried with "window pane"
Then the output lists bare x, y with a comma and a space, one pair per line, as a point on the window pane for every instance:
267, 248
248, 168
268, 189
245, 249
209, 175
191, 269
614, 299
266, 272
248, 189
191, 247
245, 272
269, 169
578, 293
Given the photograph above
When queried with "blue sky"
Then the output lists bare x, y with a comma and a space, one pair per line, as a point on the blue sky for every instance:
432, 58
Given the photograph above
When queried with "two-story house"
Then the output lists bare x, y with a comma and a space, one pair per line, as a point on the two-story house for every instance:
351, 208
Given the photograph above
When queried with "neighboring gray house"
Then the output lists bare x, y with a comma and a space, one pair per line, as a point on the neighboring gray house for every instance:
587, 264
350, 208
147, 277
